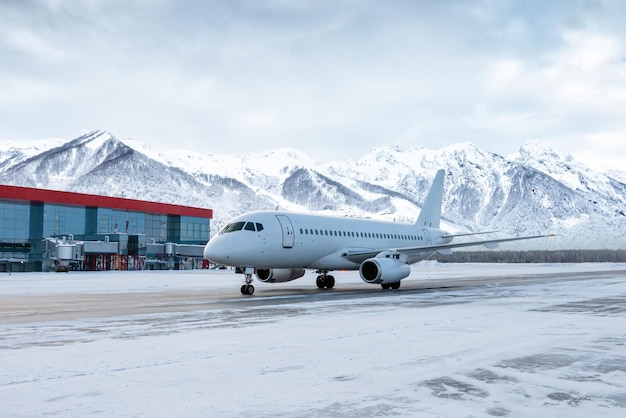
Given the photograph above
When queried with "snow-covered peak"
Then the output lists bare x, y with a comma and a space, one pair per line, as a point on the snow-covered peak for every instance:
467, 151
617, 175
95, 139
565, 169
538, 152
31, 147
272, 162
138, 146
465, 146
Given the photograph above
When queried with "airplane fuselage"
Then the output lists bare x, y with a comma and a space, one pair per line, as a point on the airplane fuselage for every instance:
295, 240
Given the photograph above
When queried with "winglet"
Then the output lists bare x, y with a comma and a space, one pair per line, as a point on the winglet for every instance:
430, 215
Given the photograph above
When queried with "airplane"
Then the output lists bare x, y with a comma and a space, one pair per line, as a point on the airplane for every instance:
280, 246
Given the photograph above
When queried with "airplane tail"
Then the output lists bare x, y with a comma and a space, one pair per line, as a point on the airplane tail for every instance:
430, 215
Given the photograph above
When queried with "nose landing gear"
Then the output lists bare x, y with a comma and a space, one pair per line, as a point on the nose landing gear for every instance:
247, 288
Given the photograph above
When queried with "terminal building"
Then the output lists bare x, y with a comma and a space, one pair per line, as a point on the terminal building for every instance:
49, 230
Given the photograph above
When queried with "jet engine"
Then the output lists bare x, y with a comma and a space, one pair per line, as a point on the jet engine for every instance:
278, 275
383, 270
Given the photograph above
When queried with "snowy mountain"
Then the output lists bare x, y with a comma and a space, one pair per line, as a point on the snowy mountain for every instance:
533, 191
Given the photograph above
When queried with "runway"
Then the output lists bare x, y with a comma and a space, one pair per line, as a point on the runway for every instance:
78, 306
454, 340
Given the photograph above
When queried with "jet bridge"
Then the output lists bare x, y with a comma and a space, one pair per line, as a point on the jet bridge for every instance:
171, 256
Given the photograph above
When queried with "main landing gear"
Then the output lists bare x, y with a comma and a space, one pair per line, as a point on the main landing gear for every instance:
324, 280
394, 286
247, 288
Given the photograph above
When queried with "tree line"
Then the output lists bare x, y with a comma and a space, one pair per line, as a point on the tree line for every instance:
534, 256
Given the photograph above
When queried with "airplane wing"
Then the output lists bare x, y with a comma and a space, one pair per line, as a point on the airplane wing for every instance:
358, 256
467, 234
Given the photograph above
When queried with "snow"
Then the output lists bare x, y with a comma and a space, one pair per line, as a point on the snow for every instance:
617, 175
32, 147
540, 347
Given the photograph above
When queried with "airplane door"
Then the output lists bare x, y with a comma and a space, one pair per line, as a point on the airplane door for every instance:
429, 240
287, 228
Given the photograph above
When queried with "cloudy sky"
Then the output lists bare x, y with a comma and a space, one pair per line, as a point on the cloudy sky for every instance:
332, 78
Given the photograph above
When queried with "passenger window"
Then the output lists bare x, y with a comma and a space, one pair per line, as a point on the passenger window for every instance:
249, 226
259, 227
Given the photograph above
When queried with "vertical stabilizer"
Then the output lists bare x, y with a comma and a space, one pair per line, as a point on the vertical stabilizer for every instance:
431, 210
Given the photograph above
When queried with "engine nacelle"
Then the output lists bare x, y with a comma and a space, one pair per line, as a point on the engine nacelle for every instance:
278, 275
383, 270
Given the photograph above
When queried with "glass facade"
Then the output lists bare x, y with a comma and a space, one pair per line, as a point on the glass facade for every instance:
60, 220
194, 229
115, 221
14, 229
30, 216
156, 227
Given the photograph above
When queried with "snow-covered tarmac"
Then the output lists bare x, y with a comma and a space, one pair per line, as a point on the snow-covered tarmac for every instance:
456, 340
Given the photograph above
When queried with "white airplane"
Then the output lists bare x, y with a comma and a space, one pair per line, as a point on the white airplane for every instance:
279, 246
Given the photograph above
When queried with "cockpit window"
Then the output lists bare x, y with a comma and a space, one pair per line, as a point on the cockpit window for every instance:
235, 226
238, 226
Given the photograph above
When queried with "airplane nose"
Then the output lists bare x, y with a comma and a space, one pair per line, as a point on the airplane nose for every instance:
216, 252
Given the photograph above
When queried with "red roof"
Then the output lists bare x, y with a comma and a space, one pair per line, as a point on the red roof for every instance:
82, 199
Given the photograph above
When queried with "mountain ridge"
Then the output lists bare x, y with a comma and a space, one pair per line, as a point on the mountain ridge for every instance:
534, 191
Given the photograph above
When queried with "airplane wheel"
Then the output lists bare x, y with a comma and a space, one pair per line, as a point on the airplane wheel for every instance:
247, 289
385, 286
320, 282
330, 282
395, 285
